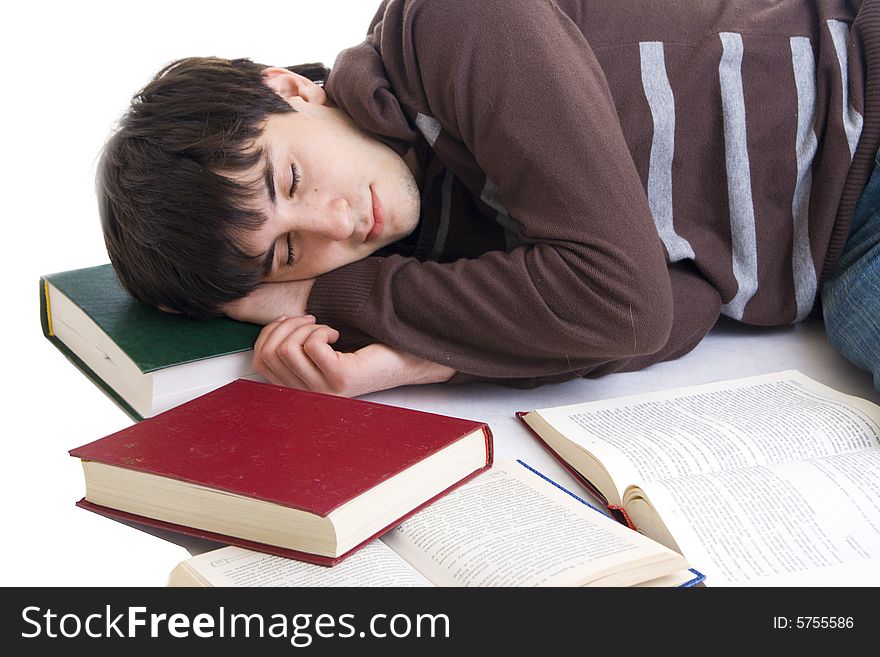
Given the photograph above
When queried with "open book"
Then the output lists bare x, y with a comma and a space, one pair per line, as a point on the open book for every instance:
766, 480
510, 526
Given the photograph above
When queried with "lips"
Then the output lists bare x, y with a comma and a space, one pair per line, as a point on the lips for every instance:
378, 217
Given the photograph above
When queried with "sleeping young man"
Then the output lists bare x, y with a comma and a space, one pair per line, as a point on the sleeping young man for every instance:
519, 192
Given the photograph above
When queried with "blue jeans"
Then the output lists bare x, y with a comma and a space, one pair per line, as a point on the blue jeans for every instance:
851, 297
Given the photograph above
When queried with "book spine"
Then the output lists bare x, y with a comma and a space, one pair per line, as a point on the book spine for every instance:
45, 309
49, 333
621, 514
698, 577
490, 453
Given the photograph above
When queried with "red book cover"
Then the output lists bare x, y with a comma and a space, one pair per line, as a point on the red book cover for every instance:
304, 450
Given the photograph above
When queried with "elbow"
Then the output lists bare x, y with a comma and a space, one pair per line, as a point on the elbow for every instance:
641, 321
624, 313
646, 326
638, 324
644, 311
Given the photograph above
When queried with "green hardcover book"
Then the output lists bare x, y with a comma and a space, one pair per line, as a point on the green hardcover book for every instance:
147, 361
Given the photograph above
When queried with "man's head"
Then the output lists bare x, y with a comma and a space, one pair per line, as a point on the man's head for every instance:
226, 174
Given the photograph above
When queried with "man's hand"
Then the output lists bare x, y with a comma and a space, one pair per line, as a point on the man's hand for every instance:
296, 352
271, 300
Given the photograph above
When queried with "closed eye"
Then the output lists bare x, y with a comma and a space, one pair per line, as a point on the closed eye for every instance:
291, 259
294, 177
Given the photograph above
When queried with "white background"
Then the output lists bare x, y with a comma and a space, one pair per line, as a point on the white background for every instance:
69, 70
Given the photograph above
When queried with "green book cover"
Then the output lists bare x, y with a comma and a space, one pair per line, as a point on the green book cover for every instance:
154, 340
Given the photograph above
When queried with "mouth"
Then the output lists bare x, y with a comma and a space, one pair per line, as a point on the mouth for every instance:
378, 217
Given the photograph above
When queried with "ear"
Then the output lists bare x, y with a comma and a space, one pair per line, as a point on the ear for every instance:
289, 85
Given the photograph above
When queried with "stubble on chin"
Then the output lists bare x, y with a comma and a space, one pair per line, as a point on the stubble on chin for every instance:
411, 201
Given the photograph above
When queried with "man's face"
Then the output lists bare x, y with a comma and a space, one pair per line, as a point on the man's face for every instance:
332, 195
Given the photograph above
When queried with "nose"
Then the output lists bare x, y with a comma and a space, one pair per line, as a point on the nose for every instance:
333, 220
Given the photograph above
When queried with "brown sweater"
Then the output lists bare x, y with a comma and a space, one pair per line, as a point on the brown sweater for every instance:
604, 178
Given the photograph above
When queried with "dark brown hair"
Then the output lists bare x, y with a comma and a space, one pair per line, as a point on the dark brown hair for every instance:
171, 221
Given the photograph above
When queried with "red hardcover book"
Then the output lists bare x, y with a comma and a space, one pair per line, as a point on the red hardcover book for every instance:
298, 474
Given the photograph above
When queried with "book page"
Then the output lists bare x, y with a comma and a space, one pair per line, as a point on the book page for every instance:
802, 523
511, 527
372, 565
721, 426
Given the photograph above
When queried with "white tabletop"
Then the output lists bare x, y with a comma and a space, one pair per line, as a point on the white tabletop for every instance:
50, 542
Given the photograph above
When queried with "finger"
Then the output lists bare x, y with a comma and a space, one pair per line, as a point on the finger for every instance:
265, 332
283, 352
289, 380
318, 349
292, 355
278, 329
266, 346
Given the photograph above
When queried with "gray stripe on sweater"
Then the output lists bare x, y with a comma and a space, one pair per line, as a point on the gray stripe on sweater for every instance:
429, 127
512, 230
739, 182
658, 93
803, 64
852, 120
489, 196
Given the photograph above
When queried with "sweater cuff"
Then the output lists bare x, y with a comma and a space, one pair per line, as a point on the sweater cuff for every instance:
337, 297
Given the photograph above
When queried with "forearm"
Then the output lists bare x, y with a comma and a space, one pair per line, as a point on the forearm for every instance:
591, 282
401, 368
488, 319
270, 301
298, 352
